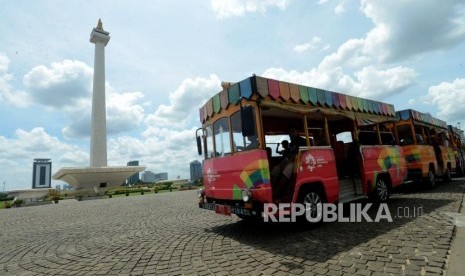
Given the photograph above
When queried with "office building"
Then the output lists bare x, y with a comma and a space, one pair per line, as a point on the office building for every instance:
41, 173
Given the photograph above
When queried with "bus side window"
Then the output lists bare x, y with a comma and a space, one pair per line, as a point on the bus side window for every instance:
209, 142
221, 133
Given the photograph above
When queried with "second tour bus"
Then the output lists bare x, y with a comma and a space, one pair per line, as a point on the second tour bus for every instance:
456, 137
425, 142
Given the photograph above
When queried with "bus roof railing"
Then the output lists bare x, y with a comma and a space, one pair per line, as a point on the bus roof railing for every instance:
284, 92
422, 118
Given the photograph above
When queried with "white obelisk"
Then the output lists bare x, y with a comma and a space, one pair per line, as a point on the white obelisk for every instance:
98, 175
98, 138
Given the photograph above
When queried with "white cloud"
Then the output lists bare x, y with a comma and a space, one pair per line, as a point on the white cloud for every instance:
4, 76
7, 94
340, 8
124, 112
321, 2
67, 87
369, 82
402, 29
378, 84
314, 43
449, 98
407, 28
230, 8
349, 53
61, 85
168, 150
17, 153
185, 102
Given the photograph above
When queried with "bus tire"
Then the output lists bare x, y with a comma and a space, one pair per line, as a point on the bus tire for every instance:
313, 197
430, 179
381, 192
447, 175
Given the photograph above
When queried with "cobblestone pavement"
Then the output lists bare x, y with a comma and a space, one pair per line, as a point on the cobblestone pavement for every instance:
166, 234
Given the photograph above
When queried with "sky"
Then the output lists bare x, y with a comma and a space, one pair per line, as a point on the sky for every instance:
166, 58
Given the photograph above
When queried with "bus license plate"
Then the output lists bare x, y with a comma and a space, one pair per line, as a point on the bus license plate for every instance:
223, 209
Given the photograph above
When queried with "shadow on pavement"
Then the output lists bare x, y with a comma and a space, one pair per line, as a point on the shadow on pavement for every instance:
321, 242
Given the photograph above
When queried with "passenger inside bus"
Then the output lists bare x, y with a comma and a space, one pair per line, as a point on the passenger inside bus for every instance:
281, 174
285, 151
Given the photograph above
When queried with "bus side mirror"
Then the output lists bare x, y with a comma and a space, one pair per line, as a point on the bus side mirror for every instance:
248, 122
199, 145
199, 142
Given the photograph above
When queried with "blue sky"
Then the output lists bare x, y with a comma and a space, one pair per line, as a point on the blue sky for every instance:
165, 58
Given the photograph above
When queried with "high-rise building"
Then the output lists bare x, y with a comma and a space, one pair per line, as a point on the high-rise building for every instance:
41, 173
148, 177
196, 170
133, 179
161, 176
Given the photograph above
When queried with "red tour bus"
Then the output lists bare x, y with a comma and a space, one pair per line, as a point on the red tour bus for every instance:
337, 151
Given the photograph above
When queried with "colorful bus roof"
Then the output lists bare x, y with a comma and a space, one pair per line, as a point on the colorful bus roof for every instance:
285, 92
419, 117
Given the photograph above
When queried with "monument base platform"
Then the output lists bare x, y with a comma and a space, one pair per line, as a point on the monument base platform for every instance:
96, 178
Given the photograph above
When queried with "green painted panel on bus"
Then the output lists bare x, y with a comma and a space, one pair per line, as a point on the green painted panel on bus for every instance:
303, 94
365, 105
216, 103
360, 104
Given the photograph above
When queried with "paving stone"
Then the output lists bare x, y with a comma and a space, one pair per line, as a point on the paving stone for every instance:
433, 269
167, 234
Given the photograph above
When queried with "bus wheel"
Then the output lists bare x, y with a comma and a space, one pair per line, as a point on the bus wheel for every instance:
430, 179
381, 192
312, 199
447, 176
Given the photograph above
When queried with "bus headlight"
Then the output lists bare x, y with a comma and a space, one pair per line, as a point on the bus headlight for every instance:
246, 195
201, 192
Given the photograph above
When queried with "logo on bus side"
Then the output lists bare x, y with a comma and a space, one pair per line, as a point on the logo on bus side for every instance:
311, 163
212, 175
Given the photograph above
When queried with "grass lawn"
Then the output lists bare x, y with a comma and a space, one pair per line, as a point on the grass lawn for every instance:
2, 204
138, 193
